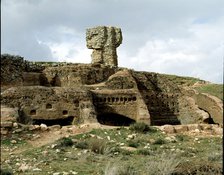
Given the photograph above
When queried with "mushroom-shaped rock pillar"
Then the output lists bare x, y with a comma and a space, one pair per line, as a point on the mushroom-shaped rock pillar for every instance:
104, 41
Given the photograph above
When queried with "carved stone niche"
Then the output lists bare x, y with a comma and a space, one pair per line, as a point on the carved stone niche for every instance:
104, 41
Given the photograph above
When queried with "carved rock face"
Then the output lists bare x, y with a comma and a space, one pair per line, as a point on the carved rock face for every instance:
96, 37
104, 41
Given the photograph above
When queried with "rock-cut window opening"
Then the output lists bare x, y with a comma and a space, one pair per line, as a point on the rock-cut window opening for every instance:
65, 112
48, 106
33, 112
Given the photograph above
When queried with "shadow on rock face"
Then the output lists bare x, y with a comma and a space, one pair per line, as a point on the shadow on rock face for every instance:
114, 119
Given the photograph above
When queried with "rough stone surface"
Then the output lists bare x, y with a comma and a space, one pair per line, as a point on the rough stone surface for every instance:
211, 104
9, 114
54, 127
193, 127
12, 68
49, 103
43, 127
4, 131
205, 126
180, 128
77, 75
104, 41
218, 131
168, 129
6, 124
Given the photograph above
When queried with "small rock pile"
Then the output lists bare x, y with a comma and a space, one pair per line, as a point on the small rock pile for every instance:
192, 128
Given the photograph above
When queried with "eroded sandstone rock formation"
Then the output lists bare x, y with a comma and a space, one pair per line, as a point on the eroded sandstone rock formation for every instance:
104, 41
81, 93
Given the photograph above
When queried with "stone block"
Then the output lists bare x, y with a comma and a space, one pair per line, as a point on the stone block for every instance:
43, 127
218, 130
54, 127
193, 127
4, 131
180, 128
6, 124
168, 129
37, 127
31, 127
15, 125
9, 114
64, 128
205, 127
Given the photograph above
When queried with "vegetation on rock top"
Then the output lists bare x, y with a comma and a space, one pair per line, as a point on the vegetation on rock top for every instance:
212, 89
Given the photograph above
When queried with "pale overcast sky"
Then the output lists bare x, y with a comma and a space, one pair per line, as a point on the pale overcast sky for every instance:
182, 37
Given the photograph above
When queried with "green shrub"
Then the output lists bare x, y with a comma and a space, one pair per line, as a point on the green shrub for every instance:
97, 145
159, 141
126, 152
82, 145
180, 137
134, 143
141, 128
65, 142
144, 152
6, 141
5, 172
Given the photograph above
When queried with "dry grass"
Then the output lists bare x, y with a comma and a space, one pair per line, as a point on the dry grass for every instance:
120, 169
97, 145
164, 164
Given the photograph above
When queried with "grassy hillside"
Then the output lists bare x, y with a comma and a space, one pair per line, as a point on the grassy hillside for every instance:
212, 89
204, 87
183, 81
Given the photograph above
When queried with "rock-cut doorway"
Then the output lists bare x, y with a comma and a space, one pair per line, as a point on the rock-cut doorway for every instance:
114, 119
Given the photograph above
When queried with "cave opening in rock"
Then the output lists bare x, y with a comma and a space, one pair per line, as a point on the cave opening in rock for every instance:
209, 121
113, 119
61, 122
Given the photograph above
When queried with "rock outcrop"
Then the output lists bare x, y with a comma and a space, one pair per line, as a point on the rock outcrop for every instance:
14, 69
104, 41
81, 93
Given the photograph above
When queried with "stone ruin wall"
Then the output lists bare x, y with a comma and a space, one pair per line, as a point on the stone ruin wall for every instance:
77, 75
42, 103
164, 108
160, 96
161, 102
122, 102
15, 71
